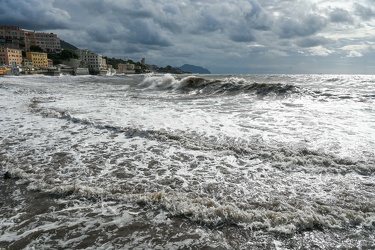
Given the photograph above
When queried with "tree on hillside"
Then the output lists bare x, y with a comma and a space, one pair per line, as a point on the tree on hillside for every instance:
67, 54
113, 61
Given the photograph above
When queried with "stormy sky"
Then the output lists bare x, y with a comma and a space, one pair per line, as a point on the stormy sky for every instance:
233, 36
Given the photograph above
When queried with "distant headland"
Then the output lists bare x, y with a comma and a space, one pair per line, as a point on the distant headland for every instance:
194, 69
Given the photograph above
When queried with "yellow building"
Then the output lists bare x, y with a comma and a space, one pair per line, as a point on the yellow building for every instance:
38, 59
10, 56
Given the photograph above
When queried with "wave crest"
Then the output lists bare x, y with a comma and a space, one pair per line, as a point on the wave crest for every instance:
227, 86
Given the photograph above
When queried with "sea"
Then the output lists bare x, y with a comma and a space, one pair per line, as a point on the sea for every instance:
161, 161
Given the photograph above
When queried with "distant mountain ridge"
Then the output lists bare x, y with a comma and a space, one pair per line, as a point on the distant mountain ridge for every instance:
194, 69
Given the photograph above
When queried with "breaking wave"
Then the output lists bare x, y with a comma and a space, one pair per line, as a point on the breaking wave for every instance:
287, 159
228, 86
195, 85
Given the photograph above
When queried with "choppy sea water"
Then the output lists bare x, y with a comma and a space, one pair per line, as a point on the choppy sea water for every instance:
187, 162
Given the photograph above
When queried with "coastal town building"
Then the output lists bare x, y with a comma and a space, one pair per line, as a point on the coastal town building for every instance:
16, 50
50, 62
9, 56
12, 37
27, 63
49, 42
93, 60
38, 59
17, 38
125, 68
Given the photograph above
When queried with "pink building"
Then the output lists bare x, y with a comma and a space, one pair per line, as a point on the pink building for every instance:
10, 56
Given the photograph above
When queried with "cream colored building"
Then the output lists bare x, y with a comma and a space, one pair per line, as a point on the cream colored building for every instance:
125, 68
27, 63
9, 56
93, 60
38, 59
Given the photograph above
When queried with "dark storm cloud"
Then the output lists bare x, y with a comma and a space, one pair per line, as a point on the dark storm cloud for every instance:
213, 32
33, 14
134, 22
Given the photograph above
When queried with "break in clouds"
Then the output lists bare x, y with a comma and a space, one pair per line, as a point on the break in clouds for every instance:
212, 32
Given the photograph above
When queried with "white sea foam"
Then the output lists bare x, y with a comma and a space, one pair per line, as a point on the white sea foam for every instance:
119, 154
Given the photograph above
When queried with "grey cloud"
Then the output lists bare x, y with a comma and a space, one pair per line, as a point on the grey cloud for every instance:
312, 42
300, 27
200, 30
132, 22
105, 36
366, 13
209, 23
238, 20
242, 36
33, 14
144, 31
258, 18
285, 43
339, 15
130, 49
121, 12
172, 9
166, 15
136, 12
